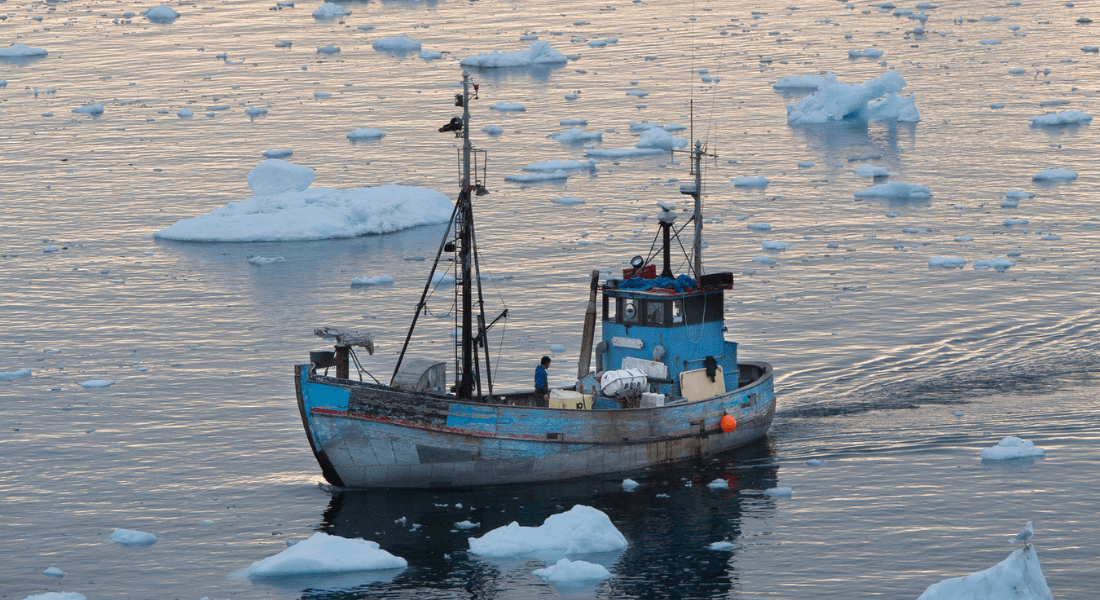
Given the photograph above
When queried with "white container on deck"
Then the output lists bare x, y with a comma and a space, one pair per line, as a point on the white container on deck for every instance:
652, 400
623, 382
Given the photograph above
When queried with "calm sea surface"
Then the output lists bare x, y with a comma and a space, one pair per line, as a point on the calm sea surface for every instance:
894, 373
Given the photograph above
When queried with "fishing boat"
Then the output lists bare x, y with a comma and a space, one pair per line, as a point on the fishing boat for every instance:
667, 385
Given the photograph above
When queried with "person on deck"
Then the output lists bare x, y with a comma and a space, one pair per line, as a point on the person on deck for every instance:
542, 387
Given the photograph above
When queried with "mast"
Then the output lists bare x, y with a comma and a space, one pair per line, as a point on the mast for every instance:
696, 159
465, 252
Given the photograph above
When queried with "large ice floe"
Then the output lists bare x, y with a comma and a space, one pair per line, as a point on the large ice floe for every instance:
580, 530
1011, 448
539, 53
570, 572
21, 51
284, 208
895, 189
1018, 577
1067, 117
834, 101
325, 554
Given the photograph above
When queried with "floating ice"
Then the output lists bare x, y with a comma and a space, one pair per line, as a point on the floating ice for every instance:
815, 462
1019, 576
325, 554
769, 245
328, 10
723, 546
659, 138
21, 51
564, 165
568, 122
1090, 49
538, 53
674, 127
759, 226
467, 525
1012, 447
49, 249
566, 571
1055, 175
161, 14
129, 537
580, 530
492, 129
997, 264
557, 175
366, 134
764, 259
965, 239
868, 53
57, 596
277, 153
871, 171
833, 101
578, 136
567, 200
1017, 71
805, 165
557, 348
53, 572
1010, 222
97, 383
255, 110
989, 42
759, 181
719, 484
283, 209
430, 54
90, 109
185, 112
643, 126
629, 484
265, 260
777, 492
508, 106
329, 49
401, 43
442, 279
893, 108
1068, 117
637, 93
895, 189
376, 280
18, 374
947, 262
623, 152
602, 43
1018, 195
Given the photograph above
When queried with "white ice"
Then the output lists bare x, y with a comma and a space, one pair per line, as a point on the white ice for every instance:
758, 181
277, 153
329, 49
96, 383
401, 43
325, 554
637, 93
895, 189
1011, 222
442, 279
1068, 117
1054, 175
893, 108
557, 348
1018, 577
578, 136
868, 53
719, 484
568, 122
366, 134
57, 596
833, 100
947, 262
795, 82
1012, 447
328, 10
492, 129
871, 171
629, 484
90, 109
567, 200
53, 572
538, 53
162, 14
508, 106
1018, 195
430, 54
659, 138
17, 374
759, 226
997, 264
723, 546
623, 152
643, 126
283, 209
20, 51
764, 259
564, 165
557, 175
777, 492
255, 110
376, 280
566, 571
467, 525
580, 530
772, 245
185, 112
129, 537
265, 260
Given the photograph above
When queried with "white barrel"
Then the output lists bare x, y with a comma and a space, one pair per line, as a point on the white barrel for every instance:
623, 382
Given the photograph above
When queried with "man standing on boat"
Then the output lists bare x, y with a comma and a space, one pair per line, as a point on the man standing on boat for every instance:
542, 387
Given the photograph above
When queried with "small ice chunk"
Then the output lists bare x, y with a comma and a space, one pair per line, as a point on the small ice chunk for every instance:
49, 249
564, 165
947, 262
442, 279
747, 181
661, 139
264, 260
508, 106
965, 239
20, 51
578, 136
759, 226
895, 189
795, 82
557, 175
278, 153
366, 134
430, 54
805, 165
53, 572
401, 43
997, 264
814, 462
467, 525
1090, 49
623, 152
129, 537
329, 49
537, 53
770, 245
274, 176
778, 492
871, 171
1017, 71
185, 113
569, 122
868, 53
1011, 222
253, 111
764, 259
492, 129
89, 109
57, 596
18, 374
629, 484
997, 105
989, 42
557, 348
637, 93
723, 546
566, 571
325, 554
400, 521
1055, 175
376, 280
719, 484
1010, 448
329, 10
1068, 117
580, 530
567, 201
161, 14
1015, 194
96, 383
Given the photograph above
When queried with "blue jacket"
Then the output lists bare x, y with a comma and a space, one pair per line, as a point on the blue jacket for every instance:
540, 378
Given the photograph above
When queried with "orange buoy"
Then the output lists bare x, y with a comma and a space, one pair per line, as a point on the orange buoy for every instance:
728, 423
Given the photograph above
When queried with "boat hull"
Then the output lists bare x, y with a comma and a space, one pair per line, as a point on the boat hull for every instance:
367, 435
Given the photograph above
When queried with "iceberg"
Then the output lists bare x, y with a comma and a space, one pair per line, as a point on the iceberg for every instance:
566, 571
21, 51
659, 138
834, 101
1019, 577
539, 53
325, 554
580, 530
1068, 117
1012, 447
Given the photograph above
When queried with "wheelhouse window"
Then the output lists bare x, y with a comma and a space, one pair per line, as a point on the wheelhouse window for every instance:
630, 310
703, 308
655, 313
610, 309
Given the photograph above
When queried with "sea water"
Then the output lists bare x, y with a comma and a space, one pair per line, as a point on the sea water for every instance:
892, 372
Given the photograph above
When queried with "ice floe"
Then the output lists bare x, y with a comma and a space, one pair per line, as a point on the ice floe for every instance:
566, 571
1019, 576
563, 165
629, 484
96, 383
325, 554
557, 175
1068, 117
1010, 448
578, 136
771, 245
53, 572
89, 109
724, 545
401, 43
185, 112
329, 10
254, 111
259, 261
567, 201
366, 134
57, 596
759, 226
508, 106
284, 208
764, 259
623, 152
1055, 175
539, 53
719, 484
21, 51
277, 153
492, 129
161, 14
777, 492
758, 181
467, 525
376, 280
997, 264
17, 374
871, 171
329, 49
868, 53
129, 537
895, 189
947, 262
1011, 222
580, 530
557, 348
1015, 194
833, 101
430, 54
659, 138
